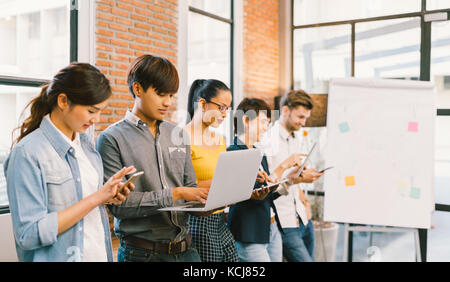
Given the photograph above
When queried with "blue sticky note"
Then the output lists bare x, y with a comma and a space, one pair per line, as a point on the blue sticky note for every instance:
415, 193
344, 127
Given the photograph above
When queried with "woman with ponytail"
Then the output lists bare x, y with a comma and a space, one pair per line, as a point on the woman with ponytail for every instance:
208, 105
55, 176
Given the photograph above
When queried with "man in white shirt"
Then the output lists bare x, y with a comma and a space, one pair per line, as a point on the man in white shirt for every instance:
281, 141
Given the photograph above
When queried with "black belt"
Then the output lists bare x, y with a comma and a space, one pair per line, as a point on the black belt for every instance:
168, 248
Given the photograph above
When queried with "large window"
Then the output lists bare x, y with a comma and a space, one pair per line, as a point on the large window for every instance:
405, 39
210, 40
210, 46
36, 42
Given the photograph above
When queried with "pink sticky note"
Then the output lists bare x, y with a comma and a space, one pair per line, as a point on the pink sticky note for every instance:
413, 127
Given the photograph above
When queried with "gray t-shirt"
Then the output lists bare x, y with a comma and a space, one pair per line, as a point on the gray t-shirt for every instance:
166, 162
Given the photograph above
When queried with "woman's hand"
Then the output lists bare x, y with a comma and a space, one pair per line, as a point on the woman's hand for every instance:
109, 192
263, 177
310, 175
307, 176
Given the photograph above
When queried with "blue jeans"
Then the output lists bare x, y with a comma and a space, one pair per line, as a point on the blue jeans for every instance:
271, 252
298, 243
127, 253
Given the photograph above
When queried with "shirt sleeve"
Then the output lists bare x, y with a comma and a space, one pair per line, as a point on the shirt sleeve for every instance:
190, 179
33, 226
138, 204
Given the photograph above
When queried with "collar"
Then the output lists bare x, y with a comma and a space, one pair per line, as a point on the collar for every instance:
284, 134
238, 142
55, 137
136, 121
73, 143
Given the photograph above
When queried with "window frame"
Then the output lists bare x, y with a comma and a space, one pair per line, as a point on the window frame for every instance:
425, 45
425, 73
34, 82
229, 21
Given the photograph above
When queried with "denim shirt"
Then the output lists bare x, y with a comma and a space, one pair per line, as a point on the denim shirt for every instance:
43, 179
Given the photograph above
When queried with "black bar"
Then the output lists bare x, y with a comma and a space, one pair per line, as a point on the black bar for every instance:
315, 193
425, 51
204, 13
390, 17
4, 210
73, 30
350, 246
22, 81
232, 52
443, 208
292, 45
443, 112
423, 236
353, 49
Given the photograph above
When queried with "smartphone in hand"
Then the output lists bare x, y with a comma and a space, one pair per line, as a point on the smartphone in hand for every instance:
132, 179
323, 170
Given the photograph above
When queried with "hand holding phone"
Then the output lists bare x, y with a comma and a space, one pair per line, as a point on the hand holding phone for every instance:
132, 179
323, 170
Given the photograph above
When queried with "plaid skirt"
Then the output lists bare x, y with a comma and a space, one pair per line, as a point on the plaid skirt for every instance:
212, 239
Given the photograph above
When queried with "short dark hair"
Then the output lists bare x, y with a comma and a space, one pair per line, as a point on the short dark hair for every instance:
249, 107
296, 98
156, 72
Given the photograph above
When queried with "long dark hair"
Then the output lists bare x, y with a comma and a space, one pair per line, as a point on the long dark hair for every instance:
206, 89
82, 83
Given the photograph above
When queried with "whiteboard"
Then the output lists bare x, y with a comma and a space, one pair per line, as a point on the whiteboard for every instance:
380, 140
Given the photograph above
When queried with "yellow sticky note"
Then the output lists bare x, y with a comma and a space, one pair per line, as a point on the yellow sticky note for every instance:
350, 181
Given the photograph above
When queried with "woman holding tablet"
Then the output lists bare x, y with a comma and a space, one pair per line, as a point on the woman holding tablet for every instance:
55, 176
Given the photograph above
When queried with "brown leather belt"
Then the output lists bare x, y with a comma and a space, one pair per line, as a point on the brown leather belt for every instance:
167, 248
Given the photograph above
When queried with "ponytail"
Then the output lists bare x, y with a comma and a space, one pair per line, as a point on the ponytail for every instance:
206, 89
83, 84
194, 96
40, 107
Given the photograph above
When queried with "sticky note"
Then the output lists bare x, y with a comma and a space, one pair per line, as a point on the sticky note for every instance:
415, 193
344, 127
403, 188
350, 181
413, 127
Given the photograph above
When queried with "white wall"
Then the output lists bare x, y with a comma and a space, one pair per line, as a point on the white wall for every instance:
7, 244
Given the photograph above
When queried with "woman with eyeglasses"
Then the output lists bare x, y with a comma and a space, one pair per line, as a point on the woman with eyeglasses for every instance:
208, 105
54, 174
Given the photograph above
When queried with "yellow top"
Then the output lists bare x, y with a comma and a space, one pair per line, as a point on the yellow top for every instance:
205, 161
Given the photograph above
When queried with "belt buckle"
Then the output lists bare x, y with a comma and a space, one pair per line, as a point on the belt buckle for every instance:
170, 248
182, 249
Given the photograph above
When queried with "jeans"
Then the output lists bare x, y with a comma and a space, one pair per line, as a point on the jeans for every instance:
271, 252
298, 243
127, 253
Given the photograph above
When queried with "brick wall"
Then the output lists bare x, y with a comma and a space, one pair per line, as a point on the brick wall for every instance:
261, 49
126, 29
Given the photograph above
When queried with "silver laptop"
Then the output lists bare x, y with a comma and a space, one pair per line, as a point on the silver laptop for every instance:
233, 181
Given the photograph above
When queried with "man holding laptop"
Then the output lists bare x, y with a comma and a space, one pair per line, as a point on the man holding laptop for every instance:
281, 141
144, 140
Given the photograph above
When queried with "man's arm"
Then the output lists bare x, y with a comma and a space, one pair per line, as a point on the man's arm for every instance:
138, 204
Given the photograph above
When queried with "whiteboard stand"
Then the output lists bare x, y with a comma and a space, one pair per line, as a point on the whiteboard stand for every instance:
348, 237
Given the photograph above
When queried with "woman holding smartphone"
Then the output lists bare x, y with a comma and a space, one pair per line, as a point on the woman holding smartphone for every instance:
55, 176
